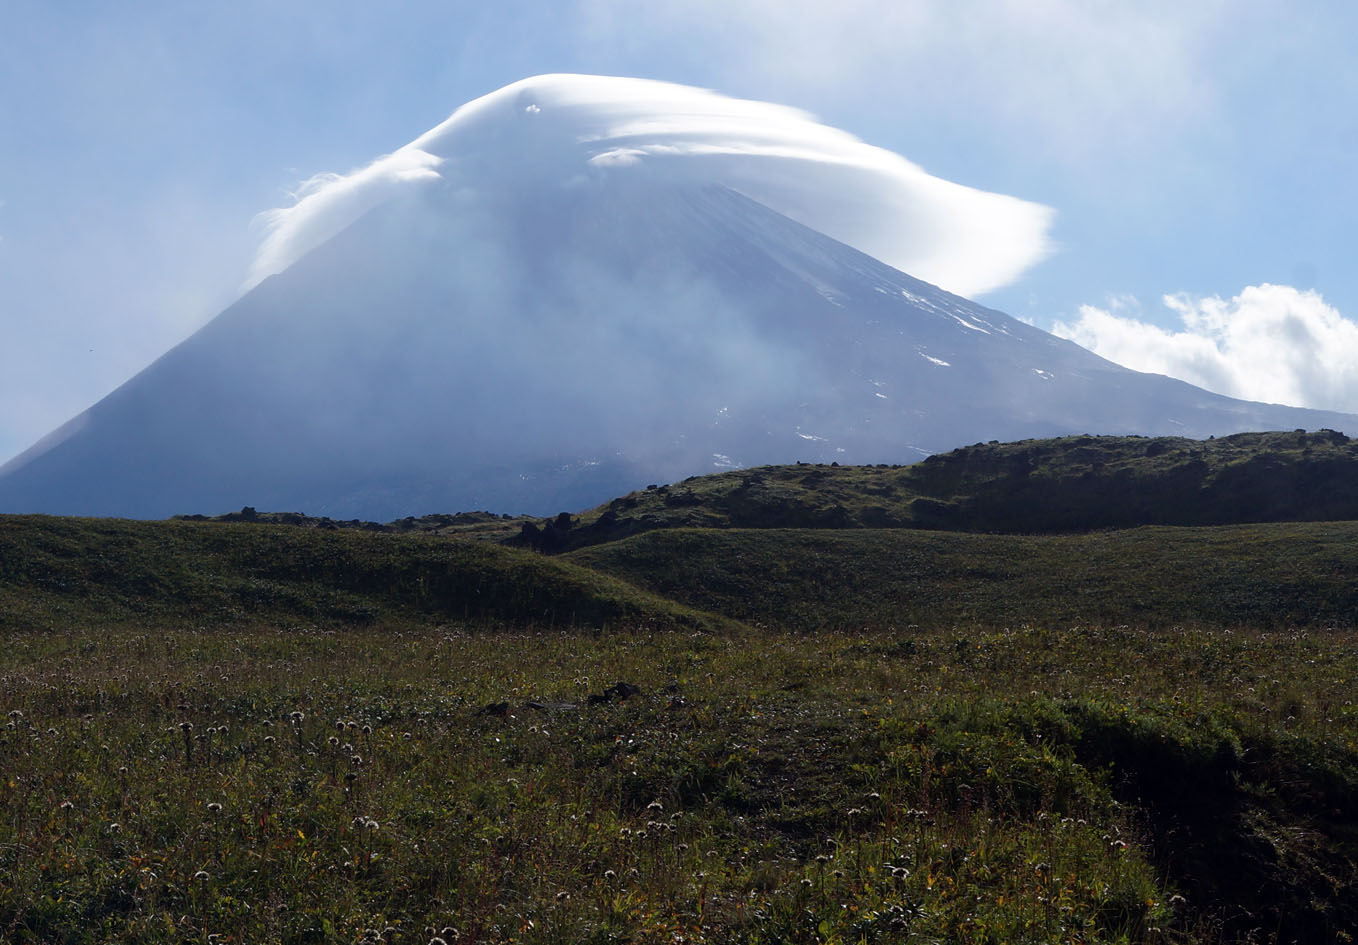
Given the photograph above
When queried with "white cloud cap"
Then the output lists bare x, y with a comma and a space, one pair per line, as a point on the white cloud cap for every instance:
559, 128
1270, 343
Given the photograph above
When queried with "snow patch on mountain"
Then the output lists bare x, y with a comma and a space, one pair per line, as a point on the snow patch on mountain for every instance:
569, 129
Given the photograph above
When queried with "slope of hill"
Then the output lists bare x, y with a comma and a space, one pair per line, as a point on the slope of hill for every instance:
57, 572
1269, 576
1035, 486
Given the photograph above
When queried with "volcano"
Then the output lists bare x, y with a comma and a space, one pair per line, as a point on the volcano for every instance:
497, 334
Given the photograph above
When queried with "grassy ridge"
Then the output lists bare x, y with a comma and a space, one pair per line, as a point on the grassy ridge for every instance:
55, 571
58, 571
1034, 486
1296, 574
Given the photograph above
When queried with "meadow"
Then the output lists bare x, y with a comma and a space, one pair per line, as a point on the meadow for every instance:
294, 784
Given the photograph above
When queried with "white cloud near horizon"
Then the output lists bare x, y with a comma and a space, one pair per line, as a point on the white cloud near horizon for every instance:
564, 129
1271, 343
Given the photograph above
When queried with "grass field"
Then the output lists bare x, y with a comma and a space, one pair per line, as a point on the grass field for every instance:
1088, 784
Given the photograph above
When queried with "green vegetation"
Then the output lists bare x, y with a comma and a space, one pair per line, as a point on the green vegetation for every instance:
835, 733
1266, 576
1070, 484
1091, 785
1035, 486
58, 571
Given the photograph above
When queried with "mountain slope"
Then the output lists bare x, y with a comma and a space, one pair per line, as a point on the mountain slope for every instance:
550, 347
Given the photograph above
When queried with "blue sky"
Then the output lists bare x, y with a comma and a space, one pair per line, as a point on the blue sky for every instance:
1199, 156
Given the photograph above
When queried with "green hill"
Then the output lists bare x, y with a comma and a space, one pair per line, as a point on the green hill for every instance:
797, 546
1070, 484
59, 571
1270, 575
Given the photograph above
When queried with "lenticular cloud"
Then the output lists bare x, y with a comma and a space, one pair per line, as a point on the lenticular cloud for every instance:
571, 129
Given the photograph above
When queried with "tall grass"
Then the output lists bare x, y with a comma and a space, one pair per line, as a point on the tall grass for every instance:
1032, 784
1272, 575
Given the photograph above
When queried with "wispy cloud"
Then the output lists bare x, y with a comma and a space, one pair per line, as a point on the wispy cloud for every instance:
1081, 77
328, 202
1270, 343
562, 129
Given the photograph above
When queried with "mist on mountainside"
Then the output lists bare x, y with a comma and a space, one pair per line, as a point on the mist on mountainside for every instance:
576, 286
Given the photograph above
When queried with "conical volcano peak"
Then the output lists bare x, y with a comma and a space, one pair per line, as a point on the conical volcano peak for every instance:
574, 287
562, 130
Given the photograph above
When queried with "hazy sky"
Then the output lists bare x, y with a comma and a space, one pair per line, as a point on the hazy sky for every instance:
1199, 156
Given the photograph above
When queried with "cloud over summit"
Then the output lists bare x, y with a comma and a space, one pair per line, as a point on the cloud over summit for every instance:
568, 129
